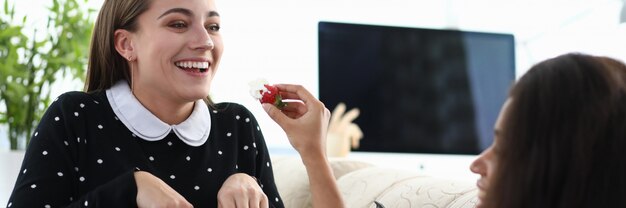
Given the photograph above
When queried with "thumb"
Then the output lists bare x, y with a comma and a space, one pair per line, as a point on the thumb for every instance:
275, 113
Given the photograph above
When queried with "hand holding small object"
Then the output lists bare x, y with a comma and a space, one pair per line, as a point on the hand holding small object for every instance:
305, 121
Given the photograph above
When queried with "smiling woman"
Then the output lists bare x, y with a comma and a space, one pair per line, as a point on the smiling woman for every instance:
146, 134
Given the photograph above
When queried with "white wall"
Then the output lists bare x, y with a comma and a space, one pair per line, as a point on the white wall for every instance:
277, 39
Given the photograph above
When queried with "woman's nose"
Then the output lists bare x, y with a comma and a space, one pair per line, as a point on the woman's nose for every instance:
478, 166
203, 40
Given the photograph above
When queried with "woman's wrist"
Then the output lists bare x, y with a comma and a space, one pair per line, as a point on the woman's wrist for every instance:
313, 156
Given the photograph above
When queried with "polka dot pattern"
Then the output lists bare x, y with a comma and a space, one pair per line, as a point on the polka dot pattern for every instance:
105, 149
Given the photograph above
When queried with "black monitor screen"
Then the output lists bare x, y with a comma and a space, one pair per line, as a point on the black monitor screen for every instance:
418, 90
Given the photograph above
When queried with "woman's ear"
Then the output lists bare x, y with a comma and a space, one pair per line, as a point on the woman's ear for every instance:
123, 44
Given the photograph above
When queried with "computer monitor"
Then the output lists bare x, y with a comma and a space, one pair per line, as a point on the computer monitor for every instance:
419, 90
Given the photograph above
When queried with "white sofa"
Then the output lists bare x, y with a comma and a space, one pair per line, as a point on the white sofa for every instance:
362, 183
10, 162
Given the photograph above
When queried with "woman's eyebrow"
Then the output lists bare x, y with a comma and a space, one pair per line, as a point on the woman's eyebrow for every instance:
213, 14
183, 11
187, 12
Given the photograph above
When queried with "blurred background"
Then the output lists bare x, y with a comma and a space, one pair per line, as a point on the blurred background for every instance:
277, 39
43, 47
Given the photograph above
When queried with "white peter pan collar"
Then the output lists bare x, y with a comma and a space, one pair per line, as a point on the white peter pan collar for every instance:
194, 131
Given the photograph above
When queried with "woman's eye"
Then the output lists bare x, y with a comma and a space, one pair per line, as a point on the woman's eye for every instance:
213, 27
178, 25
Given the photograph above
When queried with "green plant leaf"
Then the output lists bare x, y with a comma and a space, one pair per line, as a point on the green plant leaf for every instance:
6, 6
56, 53
12, 11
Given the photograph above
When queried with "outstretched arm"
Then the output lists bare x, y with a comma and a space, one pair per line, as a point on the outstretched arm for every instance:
305, 121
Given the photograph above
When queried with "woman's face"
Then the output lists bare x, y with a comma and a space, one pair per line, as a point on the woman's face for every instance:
487, 162
177, 48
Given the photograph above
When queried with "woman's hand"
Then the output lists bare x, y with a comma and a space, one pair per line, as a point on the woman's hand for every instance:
153, 192
304, 119
241, 191
306, 123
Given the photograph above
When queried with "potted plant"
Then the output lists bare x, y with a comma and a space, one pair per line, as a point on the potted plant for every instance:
32, 63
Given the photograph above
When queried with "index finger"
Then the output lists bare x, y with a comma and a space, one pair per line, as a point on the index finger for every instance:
290, 91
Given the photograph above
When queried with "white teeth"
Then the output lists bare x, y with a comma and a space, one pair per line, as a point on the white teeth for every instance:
192, 64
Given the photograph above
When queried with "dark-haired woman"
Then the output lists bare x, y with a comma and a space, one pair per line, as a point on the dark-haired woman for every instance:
560, 138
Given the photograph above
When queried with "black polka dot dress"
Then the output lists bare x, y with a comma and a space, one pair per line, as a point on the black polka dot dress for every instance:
84, 154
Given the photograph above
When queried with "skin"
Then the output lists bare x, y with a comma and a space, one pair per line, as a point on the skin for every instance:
172, 31
487, 162
306, 124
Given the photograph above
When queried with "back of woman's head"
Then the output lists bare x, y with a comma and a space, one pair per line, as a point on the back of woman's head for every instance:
564, 137
106, 66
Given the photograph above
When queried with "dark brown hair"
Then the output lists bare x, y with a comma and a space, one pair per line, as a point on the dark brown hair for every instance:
564, 137
106, 66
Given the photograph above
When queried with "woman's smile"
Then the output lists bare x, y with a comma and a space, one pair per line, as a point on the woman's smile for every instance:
194, 67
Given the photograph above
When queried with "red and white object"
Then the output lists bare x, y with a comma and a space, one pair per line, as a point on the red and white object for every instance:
261, 90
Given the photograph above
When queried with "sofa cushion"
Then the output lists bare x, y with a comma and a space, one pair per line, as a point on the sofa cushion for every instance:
402, 188
293, 183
